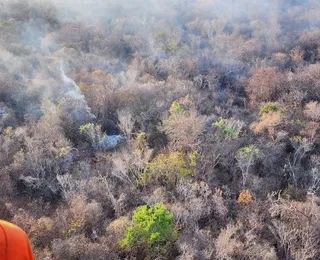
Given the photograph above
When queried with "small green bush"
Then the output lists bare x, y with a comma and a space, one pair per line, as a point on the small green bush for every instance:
169, 168
180, 106
152, 232
176, 108
230, 128
168, 43
248, 151
271, 107
93, 134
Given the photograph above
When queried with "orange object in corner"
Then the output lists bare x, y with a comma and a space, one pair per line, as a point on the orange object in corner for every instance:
14, 243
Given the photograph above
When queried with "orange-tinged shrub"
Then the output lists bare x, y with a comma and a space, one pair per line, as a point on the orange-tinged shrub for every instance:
245, 197
98, 73
267, 122
265, 85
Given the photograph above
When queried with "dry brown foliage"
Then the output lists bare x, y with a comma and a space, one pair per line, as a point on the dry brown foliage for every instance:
311, 130
184, 129
229, 245
245, 197
268, 122
297, 54
312, 110
306, 79
265, 85
296, 227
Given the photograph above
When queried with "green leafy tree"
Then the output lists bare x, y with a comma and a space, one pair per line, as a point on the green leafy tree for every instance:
152, 232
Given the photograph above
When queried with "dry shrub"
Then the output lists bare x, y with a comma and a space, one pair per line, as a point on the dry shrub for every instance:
42, 253
297, 54
180, 212
126, 123
144, 101
99, 90
7, 117
72, 186
312, 111
183, 130
279, 55
294, 99
280, 59
245, 197
129, 163
255, 250
310, 37
231, 245
24, 220
265, 85
93, 214
42, 232
307, 79
251, 49
81, 248
102, 188
6, 185
99, 74
79, 182
159, 195
227, 244
197, 244
9, 145
311, 130
78, 218
199, 203
128, 97
116, 230
77, 207
45, 149
70, 33
296, 227
4, 211
268, 122
88, 213
118, 226
219, 204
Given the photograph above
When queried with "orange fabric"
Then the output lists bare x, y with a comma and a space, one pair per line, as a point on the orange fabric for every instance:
14, 243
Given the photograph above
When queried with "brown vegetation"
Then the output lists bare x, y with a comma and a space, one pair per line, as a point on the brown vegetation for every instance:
207, 109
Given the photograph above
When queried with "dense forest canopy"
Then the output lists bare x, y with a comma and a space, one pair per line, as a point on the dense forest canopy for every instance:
181, 129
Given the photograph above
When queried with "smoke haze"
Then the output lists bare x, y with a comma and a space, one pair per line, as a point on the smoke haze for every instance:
201, 107
116, 36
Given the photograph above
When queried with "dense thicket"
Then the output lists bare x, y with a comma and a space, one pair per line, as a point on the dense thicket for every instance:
206, 111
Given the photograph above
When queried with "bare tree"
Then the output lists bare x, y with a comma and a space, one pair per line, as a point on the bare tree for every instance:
184, 129
301, 147
296, 227
246, 157
126, 123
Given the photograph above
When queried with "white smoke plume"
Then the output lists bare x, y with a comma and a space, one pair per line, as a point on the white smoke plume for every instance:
74, 91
